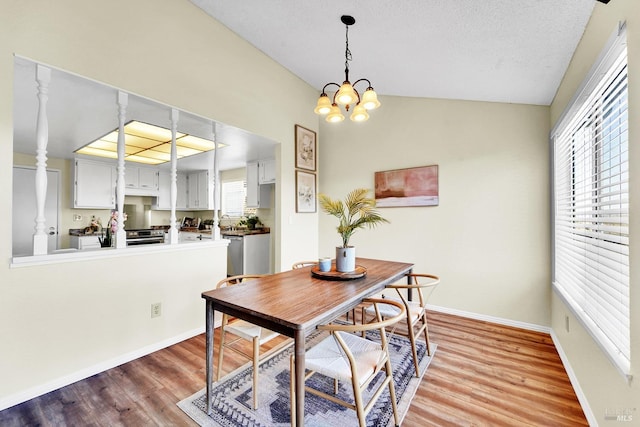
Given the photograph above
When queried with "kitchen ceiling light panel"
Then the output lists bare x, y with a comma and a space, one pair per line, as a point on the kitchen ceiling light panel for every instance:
145, 160
149, 144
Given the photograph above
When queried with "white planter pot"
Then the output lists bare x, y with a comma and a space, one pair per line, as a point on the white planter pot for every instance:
345, 259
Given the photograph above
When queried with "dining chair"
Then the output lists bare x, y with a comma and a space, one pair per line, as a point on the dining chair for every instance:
243, 330
345, 356
302, 264
416, 311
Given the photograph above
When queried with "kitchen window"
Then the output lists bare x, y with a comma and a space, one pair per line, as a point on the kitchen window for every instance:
591, 205
234, 199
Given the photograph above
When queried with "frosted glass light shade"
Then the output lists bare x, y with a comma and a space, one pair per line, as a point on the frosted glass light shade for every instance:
324, 105
370, 99
346, 94
335, 115
359, 114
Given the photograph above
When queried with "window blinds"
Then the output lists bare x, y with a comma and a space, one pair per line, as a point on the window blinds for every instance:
591, 208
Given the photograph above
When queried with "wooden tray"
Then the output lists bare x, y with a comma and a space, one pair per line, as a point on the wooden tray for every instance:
334, 274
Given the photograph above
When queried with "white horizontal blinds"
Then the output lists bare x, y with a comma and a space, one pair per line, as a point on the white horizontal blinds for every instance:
591, 219
234, 198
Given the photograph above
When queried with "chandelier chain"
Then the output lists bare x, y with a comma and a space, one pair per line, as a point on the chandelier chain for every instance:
347, 53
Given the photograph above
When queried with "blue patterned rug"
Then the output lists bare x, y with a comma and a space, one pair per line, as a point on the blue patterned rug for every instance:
232, 394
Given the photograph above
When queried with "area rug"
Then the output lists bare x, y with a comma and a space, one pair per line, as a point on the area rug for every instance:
232, 394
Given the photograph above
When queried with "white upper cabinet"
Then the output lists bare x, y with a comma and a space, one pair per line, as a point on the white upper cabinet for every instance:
258, 196
141, 181
267, 171
163, 201
200, 191
94, 184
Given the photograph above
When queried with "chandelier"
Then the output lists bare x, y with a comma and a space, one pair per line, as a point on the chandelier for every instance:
346, 95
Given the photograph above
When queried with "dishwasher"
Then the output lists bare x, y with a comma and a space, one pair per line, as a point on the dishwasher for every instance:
235, 255
248, 254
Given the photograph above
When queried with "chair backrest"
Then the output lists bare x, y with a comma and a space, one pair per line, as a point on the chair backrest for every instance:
423, 283
379, 323
302, 264
233, 280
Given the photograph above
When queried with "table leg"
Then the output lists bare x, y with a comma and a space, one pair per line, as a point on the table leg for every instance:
410, 291
299, 375
209, 355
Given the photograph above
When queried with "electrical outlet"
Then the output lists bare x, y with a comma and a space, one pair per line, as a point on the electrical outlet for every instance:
77, 217
566, 322
156, 310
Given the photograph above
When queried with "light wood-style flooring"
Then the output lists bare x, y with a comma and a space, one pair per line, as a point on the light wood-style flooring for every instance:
483, 374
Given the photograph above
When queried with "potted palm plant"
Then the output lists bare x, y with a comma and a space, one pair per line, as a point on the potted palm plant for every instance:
356, 212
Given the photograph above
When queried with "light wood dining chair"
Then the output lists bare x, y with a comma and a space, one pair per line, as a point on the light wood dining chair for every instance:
302, 264
345, 356
243, 330
416, 311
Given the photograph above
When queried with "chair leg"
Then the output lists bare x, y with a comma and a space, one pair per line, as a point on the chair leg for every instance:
412, 339
220, 353
256, 359
292, 389
426, 333
357, 396
392, 392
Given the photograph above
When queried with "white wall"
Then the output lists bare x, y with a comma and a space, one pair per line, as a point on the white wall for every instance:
604, 388
488, 239
60, 321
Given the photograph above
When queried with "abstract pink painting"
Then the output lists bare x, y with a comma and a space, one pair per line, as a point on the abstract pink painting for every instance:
407, 187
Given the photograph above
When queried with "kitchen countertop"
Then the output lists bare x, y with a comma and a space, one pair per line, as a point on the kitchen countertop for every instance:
247, 232
82, 232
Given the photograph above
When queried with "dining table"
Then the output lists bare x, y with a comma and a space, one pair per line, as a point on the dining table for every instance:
294, 303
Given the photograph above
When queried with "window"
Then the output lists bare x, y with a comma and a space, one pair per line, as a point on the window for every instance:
234, 198
591, 205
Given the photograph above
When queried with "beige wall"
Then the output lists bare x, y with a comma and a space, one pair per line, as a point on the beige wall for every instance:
61, 321
603, 386
488, 238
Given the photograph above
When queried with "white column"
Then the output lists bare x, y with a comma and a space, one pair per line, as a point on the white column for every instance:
216, 187
173, 230
40, 238
121, 235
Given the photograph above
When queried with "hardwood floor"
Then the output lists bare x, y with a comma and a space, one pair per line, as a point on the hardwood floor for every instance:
483, 374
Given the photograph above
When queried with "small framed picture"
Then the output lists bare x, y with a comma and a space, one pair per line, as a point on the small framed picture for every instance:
305, 149
305, 192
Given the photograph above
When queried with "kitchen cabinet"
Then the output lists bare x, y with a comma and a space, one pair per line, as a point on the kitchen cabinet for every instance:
258, 196
163, 201
84, 242
249, 254
141, 181
266, 171
200, 191
94, 184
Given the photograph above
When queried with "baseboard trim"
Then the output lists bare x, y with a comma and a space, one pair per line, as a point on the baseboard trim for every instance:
15, 399
492, 319
582, 399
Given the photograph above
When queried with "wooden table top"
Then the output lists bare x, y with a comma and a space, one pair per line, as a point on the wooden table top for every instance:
295, 300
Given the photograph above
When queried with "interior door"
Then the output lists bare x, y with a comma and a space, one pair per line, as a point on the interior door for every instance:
25, 211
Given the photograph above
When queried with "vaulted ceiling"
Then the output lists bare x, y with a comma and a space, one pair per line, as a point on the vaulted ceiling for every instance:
513, 51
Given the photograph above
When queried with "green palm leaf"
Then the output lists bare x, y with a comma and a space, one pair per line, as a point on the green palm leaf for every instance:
357, 211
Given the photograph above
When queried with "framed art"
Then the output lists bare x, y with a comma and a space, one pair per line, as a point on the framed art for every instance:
305, 149
407, 187
305, 192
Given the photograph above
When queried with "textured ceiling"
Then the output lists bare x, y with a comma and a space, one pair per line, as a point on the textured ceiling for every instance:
512, 51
